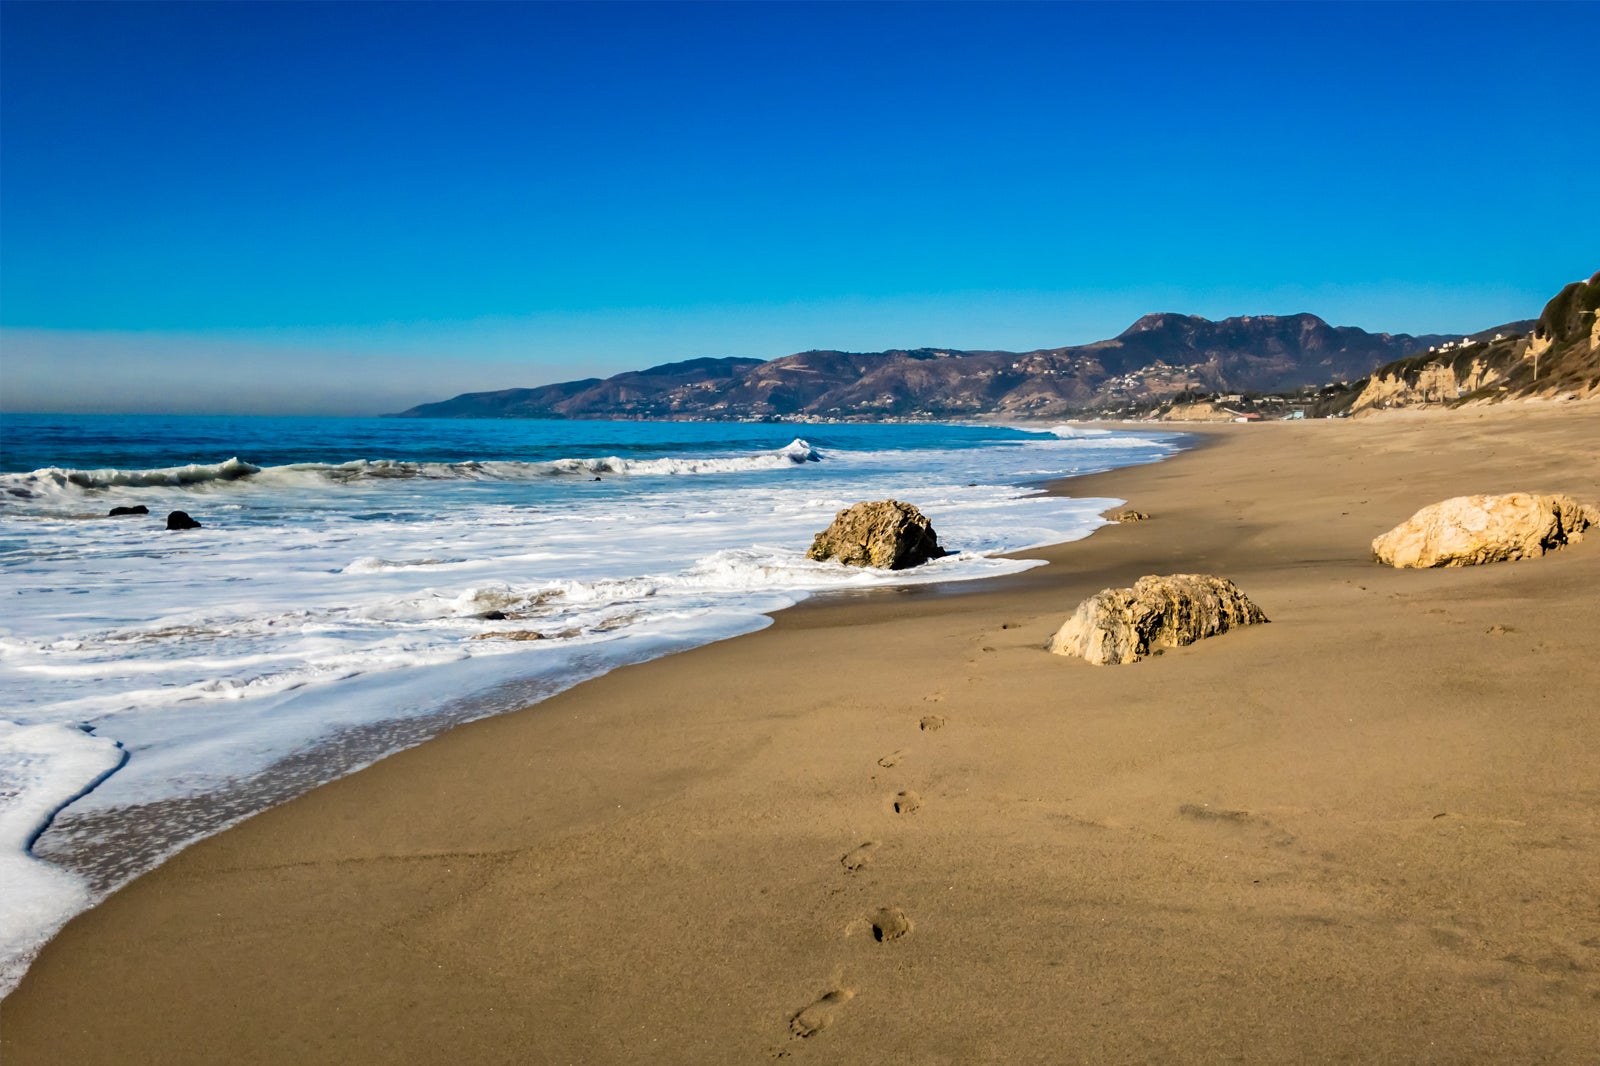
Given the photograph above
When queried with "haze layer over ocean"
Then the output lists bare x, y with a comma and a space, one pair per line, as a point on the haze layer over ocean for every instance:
353, 586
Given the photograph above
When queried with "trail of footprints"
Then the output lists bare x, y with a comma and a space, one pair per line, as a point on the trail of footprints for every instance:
886, 924
891, 923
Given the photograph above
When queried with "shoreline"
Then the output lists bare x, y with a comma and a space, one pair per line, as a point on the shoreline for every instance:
1197, 856
107, 846
135, 823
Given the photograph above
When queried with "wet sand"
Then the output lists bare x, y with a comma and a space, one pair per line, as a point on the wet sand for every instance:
892, 829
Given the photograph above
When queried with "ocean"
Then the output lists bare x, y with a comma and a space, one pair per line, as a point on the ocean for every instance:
359, 585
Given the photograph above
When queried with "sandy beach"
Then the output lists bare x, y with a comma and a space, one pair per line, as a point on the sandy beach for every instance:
1366, 832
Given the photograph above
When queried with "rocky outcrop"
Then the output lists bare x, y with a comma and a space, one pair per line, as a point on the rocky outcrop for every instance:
181, 520
1469, 530
886, 534
1199, 411
118, 512
1443, 377
1125, 625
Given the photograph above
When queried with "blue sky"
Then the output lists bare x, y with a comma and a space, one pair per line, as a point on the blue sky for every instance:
331, 208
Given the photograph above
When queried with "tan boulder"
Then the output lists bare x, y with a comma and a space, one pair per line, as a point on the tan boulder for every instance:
1124, 625
1468, 530
885, 533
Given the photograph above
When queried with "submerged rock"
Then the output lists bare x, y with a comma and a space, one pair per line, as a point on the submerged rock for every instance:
510, 634
886, 534
1468, 530
135, 509
181, 520
1124, 625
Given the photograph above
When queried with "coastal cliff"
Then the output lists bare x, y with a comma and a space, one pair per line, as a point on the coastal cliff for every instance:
1558, 357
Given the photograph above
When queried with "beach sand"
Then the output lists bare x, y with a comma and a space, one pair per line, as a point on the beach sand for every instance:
1369, 831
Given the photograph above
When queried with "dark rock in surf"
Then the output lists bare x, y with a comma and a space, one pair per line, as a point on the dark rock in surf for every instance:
181, 520
136, 509
886, 533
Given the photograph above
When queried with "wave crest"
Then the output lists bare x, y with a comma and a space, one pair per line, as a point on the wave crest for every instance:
165, 477
56, 480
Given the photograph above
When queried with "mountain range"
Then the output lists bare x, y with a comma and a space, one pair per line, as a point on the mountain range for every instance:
1160, 355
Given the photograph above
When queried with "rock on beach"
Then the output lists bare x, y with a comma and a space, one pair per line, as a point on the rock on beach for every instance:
1469, 530
1124, 625
884, 533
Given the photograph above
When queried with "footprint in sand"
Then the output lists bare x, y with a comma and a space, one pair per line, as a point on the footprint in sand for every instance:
819, 1015
890, 923
858, 858
906, 802
1204, 812
1223, 816
891, 759
931, 723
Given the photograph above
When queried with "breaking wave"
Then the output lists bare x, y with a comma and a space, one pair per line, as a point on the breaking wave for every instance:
56, 480
55, 477
1070, 432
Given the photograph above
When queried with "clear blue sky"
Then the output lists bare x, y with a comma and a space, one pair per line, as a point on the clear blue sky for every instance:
321, 207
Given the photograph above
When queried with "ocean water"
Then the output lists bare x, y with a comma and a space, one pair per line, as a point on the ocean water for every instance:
358, 586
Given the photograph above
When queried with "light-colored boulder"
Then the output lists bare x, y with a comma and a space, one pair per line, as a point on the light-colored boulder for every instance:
1124, 625
884, 533
1468, 530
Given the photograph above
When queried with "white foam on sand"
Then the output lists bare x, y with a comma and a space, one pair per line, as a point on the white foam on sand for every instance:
42, 768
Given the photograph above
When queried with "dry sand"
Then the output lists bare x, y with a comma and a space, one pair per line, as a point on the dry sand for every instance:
1369, 831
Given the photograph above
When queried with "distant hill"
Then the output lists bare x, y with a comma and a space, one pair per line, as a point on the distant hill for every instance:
1160, 355
1557, 354
661, 392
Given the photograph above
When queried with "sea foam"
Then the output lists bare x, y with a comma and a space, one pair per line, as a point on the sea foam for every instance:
42, 768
